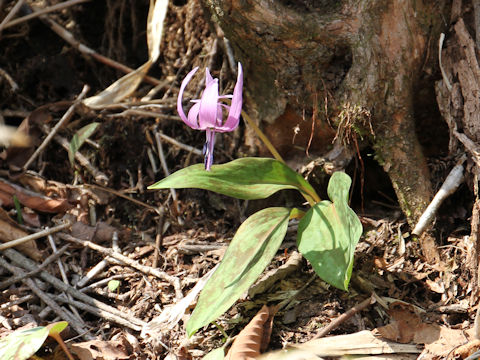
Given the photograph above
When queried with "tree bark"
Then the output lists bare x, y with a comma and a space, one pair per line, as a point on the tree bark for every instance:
364, 56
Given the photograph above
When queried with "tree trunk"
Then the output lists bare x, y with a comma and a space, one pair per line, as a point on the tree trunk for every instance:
364, 57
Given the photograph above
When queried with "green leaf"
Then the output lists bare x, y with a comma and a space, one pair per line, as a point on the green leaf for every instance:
217, 354
22, 344
56, 327
246, 178
329, 232
79, 138
251, 250
113, 285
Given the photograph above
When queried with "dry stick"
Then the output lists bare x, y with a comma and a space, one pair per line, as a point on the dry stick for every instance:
13, 85
345, 316
11, 14
104, 282
17, 302
175, 282
66, 117
68, 37
35, 236
48, 260
46, 10
118, 193
163, 162
98, 312
45, 298
100, 266
99, 177
62, 271
21, 260
180, 145
449, 186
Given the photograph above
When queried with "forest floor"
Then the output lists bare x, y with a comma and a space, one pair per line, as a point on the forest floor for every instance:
183, 234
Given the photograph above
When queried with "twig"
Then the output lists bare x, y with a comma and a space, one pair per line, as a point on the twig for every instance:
45, 298
17, 301
451, 183
180, 145
68, 37
35, 236
9, 79
99, 312
174, 281
345, 316
97, 268
21, 260
444, 75
104, 282
66, 117
43, 265
163, 162
44, 11
471, 146
144, 113
118, 193
11, 14
152, 160
62, 271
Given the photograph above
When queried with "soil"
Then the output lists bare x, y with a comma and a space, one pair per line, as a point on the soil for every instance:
185, 234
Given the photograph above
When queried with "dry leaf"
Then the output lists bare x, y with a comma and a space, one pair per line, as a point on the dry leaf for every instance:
405, 323
248, 342
360, 343
126, 85
9, 230
31, 199
120, 89
99, 350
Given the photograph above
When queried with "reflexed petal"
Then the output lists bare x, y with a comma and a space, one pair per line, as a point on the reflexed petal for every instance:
208, 77
185, 81
236, 107
207, 116
224, 128
192, 119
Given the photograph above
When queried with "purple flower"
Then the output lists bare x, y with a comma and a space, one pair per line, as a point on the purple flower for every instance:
208, 112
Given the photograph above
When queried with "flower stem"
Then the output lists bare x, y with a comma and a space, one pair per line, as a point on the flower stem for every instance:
312, 198
262, 137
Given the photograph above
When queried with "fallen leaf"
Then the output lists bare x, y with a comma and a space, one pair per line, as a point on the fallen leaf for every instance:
9, 230
99, 350
249, 341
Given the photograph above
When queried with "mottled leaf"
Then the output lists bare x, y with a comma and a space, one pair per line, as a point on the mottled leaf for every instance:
246, 178
251, 250
22, 344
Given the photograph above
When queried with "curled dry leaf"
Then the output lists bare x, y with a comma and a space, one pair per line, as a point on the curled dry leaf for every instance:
31, 199
248, 343
9, 230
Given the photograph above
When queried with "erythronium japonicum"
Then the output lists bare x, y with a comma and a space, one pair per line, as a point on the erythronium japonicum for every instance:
207, 112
